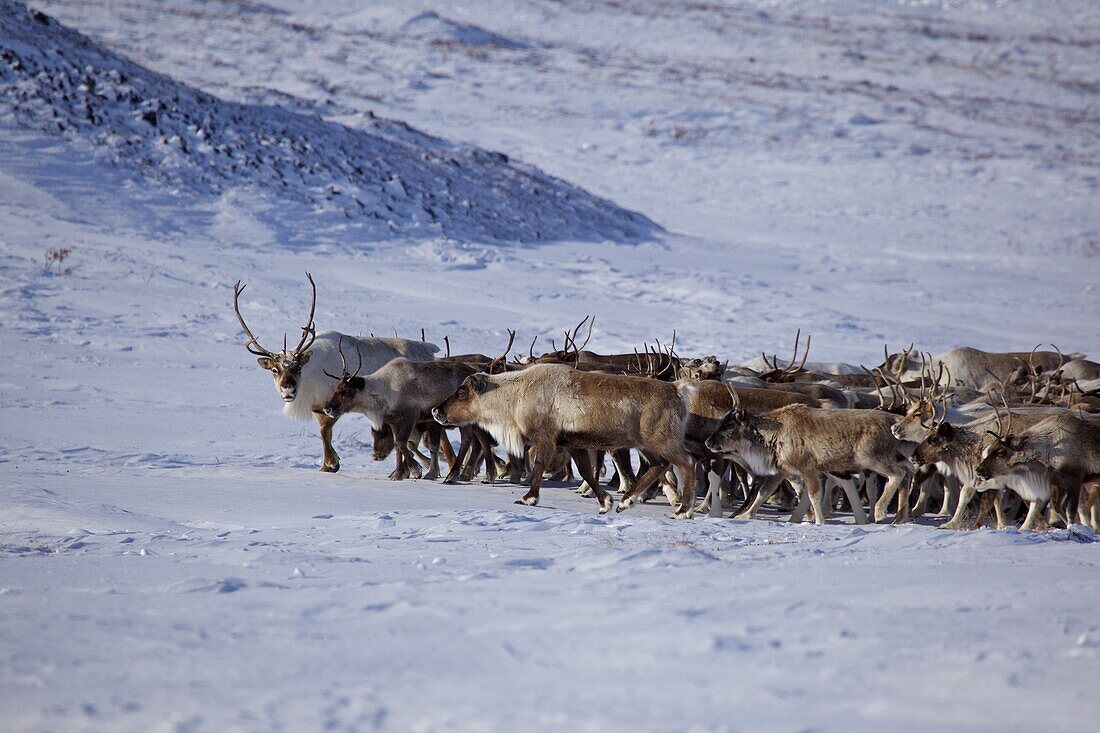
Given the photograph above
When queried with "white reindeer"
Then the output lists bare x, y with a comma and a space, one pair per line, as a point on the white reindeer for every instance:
299, 373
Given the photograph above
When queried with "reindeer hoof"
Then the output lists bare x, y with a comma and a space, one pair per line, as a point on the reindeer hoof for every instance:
327, 468
606, 506
687, 514
528, 501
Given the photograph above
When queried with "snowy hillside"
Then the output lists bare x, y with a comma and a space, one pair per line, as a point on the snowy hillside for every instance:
390, 176
867, 171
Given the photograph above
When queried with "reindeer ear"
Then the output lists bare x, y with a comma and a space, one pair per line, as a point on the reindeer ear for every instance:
357, 383
739, 414
945, 429
303, 359
478, 383
1016, 442
266, 362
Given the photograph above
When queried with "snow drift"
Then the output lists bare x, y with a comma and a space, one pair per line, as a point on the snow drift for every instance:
387, 176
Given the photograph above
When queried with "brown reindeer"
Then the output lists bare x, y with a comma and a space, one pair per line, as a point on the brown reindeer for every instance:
800, 443
1060, 451
549, 406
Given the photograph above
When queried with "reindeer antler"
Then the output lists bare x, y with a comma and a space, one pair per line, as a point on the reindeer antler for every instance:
343, 361
252, 341
502, 360
309, 331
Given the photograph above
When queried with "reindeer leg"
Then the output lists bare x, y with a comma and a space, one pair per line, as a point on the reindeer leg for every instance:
803, 496
473, 458
848, 486
763, 488
989, 498
539, 456
1094, 506
815, 491
644, 482
446, 449
950, 496
585, 487
583, 459
1034, 519
331, 462
999, 508
406, 463
906, 485
1090, 492
684, 470
621, 460
966, 493
434, 442
466, 440
870, 486
923, 480
490, 462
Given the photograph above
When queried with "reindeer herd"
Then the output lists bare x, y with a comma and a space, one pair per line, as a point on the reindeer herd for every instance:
917, 432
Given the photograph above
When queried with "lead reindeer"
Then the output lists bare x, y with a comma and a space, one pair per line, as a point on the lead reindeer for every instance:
299, 373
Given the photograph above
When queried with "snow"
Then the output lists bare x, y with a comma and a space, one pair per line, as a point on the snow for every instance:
171, 559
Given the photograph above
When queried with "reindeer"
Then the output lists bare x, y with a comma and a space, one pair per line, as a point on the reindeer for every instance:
1079, 370
299, 373
1060, 451
706, 369
400, 394
658, 363
710, 401
974, 368
552, 406
799, 443
956, 451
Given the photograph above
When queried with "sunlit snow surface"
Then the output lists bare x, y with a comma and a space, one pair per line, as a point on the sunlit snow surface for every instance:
171, 560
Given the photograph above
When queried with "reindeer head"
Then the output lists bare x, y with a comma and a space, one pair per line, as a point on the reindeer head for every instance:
736, 433
1000, 447
383, 443
348, 387
706, 368
937, 444
285, 366
461, 407
927, 413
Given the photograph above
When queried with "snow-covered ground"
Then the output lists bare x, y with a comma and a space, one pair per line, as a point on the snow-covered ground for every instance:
170, 559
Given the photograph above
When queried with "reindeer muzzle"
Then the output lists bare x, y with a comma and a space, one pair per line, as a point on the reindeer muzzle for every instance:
440, 417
